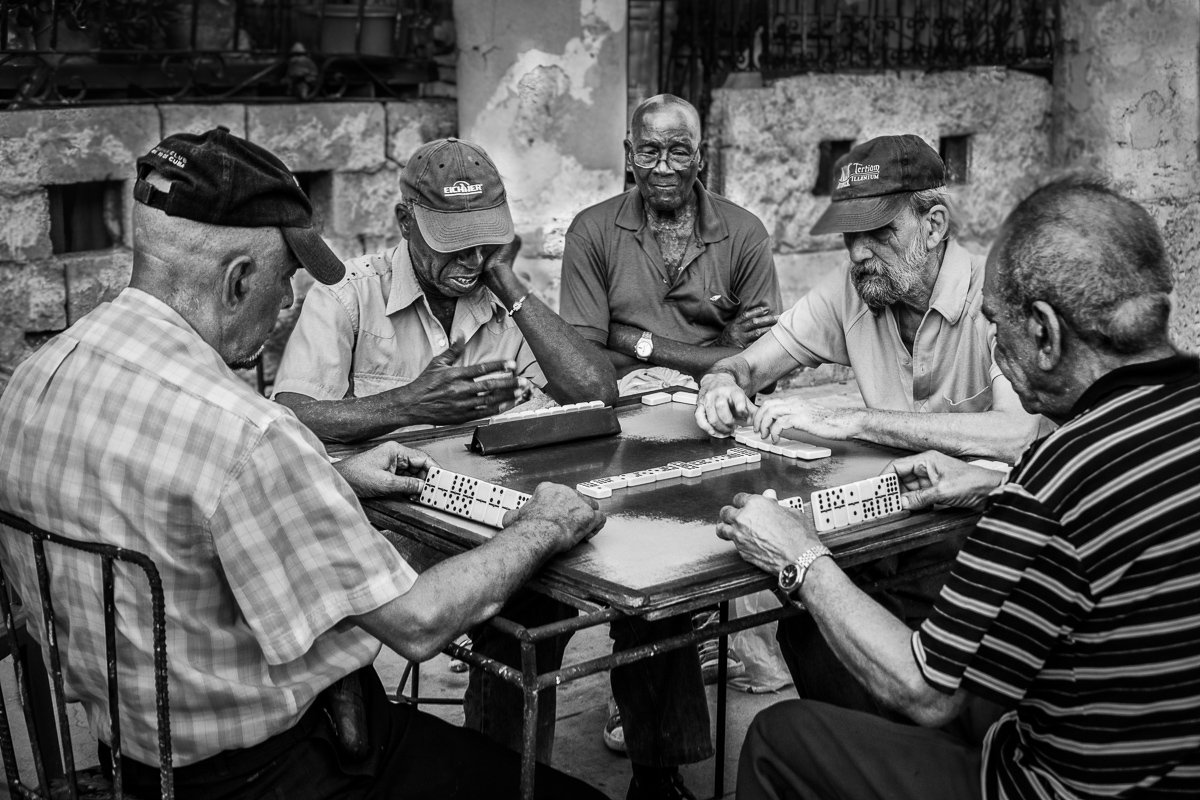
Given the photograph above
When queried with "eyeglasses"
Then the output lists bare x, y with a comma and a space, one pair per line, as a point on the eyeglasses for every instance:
674, 161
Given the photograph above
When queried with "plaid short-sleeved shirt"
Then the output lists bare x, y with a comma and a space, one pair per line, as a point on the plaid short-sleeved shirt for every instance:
129, 430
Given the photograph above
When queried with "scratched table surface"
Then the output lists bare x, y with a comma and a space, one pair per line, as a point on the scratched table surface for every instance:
658, 553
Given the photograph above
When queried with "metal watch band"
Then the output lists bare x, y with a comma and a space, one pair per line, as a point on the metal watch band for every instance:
806, 560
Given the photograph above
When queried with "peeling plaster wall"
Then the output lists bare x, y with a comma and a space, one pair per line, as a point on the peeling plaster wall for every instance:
766, 146
359, 146
541, 86
1127, 102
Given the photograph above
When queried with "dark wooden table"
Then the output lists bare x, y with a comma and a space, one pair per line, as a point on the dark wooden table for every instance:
658, 554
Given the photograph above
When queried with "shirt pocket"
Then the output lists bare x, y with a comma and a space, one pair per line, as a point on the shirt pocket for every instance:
980, 401
377, 363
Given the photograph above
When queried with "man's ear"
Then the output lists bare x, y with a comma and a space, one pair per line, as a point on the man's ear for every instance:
1045, 329
700, 150
235, 280
403, 218
936, 223
628, 155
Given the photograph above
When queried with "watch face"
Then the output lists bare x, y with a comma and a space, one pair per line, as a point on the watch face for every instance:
788, 577
642, 348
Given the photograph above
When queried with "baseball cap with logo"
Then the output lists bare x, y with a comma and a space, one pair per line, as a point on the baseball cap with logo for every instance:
458, 199
221, 179
874, 180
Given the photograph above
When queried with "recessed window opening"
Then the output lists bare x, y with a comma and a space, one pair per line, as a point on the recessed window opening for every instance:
85, 216
828, 152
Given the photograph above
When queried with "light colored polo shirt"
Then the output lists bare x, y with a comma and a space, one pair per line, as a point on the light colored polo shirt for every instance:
374, 331
951, 367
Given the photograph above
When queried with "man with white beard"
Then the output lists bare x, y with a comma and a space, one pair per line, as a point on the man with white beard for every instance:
906, 317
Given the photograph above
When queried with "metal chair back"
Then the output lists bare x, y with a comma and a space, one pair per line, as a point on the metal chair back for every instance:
108, 556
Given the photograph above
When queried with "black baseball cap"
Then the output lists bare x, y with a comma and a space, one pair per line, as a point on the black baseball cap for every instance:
874, 180
222, 179
458, 198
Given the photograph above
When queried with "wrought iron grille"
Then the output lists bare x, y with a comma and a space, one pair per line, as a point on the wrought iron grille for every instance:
78, 52
707, 40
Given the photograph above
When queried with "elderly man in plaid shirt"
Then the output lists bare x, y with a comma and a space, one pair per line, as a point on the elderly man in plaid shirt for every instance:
129, 428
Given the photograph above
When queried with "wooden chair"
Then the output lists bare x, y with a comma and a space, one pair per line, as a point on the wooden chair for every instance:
89, 783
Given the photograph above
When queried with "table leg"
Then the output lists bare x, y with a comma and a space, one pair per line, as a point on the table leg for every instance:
529, 733
722, 693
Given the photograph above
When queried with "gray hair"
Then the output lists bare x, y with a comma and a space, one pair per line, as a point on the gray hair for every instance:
1093, 255
920, 202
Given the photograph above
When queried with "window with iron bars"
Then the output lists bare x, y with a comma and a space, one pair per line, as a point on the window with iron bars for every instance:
701, 42
78, 52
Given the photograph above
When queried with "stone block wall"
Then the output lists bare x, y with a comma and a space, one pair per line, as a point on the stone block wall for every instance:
358, 149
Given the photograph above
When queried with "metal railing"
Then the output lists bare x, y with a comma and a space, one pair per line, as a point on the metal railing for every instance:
707, 40
78, 52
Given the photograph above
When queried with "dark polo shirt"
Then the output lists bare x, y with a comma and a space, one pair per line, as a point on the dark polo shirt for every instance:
613, 271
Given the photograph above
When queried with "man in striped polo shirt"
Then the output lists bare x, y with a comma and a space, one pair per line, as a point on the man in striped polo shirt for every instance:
1061, 658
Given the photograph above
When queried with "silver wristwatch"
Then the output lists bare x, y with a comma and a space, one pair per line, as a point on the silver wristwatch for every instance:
644, 346
792, 575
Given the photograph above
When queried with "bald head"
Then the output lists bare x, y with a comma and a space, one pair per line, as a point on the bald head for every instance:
666, 104
1096, 257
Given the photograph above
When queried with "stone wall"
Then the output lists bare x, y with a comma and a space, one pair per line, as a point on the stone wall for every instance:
356, 149
765, 148
1127, 102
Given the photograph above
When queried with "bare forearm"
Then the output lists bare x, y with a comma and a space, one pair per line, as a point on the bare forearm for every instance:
692, 359
352, 419
461, 591
995, 434
575, 370
874, 645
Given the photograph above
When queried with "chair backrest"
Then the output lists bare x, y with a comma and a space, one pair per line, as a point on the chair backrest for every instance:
108, 555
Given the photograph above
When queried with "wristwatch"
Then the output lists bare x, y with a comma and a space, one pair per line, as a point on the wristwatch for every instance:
792, 575
644, 346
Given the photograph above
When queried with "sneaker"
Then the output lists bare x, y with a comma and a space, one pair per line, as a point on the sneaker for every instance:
457, 664
710, 659
669, 786
614, 731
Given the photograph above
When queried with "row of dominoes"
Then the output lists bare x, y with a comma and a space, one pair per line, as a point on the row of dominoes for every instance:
603, 487
788, 448
658, 398
855, 503
469, 497
549, 411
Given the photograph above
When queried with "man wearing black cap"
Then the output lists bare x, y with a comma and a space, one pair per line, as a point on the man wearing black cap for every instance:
906, 317
404, 338
130, 429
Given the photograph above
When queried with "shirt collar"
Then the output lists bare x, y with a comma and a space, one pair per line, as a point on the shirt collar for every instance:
1162, 372
480, 303
710, 225
952, 288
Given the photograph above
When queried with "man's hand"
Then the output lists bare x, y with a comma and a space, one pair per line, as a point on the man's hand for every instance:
721, 404
765, 533
779, 414
562, 512
747, 327
498, 259
390, 468
444, 394
933, 478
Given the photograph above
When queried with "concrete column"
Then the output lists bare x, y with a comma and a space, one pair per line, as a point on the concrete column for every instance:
541, 86
1127, 102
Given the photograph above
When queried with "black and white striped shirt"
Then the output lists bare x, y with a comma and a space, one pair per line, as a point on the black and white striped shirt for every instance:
1077, 600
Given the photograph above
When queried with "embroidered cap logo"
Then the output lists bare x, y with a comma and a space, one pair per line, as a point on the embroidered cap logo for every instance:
856, 173
462, 188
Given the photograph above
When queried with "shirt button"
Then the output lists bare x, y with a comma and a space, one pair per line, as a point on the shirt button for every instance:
441, 342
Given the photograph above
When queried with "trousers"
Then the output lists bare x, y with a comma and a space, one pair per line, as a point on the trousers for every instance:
806, 750
412, 755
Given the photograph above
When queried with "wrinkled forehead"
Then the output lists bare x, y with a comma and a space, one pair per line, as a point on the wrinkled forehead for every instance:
666, 124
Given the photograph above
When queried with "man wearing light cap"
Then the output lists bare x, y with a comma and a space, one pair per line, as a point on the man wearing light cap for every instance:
906, 317
130, 429
404, 337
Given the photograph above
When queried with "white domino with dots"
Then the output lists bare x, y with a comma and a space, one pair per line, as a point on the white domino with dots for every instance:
547, 411
788, 448
794, 503
601, 488
855, 503
656, 399
469, 497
